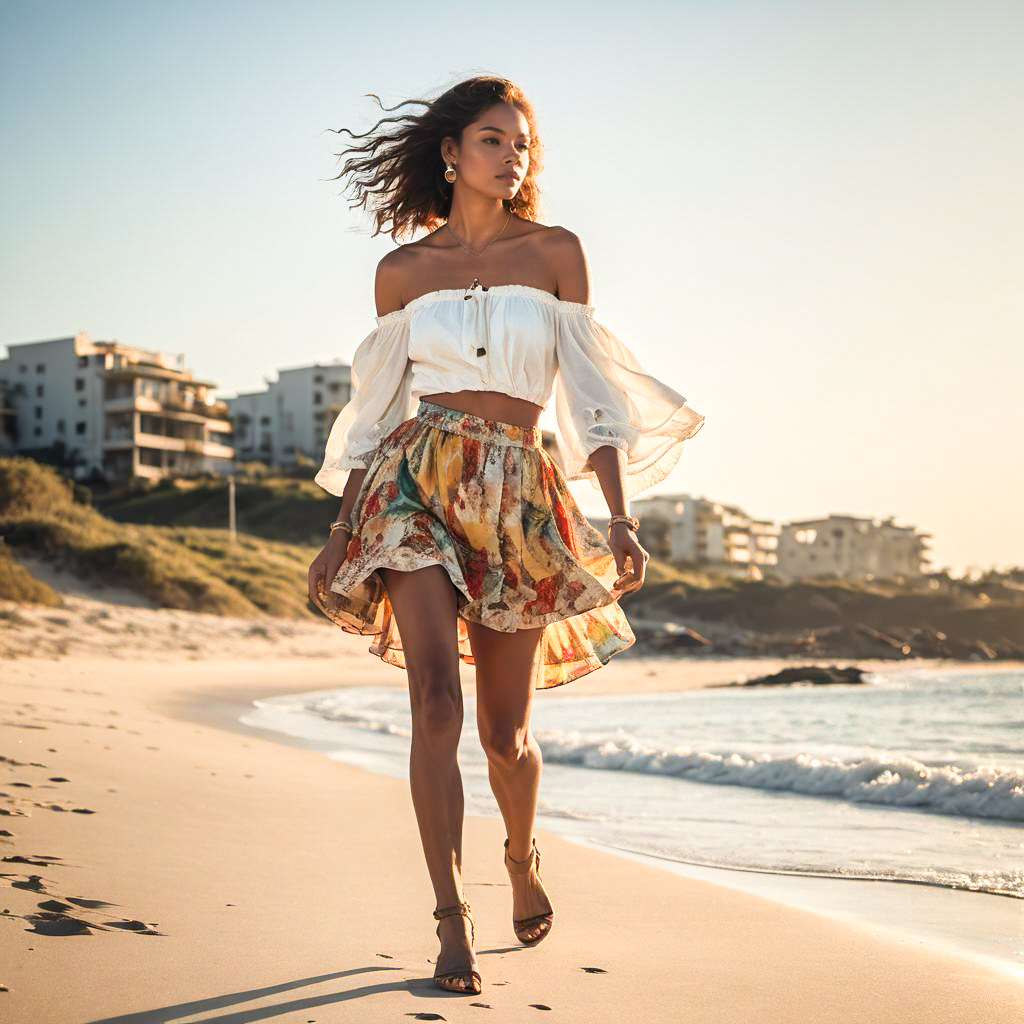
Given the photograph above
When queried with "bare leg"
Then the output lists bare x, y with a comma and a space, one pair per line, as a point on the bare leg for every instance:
504, 684
425, 609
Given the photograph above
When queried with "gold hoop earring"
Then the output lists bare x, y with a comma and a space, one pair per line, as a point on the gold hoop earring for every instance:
449, 175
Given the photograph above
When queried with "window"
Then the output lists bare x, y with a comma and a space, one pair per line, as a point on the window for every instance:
81, 403
318, 398
60, 426
83, 361
318, 378
39, 391
22, 368
38, 431
79, 384
40, 367
80, 427
39, 412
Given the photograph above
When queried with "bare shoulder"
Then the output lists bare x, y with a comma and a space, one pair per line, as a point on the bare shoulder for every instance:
398, 268
570, 263
389, 280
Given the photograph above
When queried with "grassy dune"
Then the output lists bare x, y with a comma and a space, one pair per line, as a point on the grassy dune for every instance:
169, 544
274, 508
175, 566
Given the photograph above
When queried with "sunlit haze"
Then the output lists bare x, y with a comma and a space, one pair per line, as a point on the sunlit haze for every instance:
805, 217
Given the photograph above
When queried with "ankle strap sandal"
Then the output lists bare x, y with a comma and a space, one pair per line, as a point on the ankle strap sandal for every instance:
466, 974
527, 924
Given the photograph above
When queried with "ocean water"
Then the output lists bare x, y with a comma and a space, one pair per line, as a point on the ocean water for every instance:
915, 777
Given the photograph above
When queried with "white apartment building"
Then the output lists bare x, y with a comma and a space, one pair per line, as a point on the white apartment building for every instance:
851, 548
682, 529
293, 416
119, 411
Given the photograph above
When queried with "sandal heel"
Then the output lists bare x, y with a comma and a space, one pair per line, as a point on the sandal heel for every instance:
527, 924
475, 984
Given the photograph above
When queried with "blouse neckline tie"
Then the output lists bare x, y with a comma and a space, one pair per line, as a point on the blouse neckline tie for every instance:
480, 349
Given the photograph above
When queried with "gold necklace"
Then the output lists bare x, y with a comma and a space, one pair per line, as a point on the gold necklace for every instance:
478, 252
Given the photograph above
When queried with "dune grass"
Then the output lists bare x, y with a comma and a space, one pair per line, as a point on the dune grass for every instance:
176, 567
178, 556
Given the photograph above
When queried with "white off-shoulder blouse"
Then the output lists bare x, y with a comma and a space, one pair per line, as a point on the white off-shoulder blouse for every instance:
521, 341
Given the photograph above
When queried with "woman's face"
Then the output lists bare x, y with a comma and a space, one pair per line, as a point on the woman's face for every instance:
495, 152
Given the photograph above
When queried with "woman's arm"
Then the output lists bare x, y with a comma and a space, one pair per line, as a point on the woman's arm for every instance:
348, 495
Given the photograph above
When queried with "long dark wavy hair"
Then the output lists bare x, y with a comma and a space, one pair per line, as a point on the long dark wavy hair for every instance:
398, 172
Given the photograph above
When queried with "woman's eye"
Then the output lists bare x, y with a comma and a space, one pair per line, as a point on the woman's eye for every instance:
491, 138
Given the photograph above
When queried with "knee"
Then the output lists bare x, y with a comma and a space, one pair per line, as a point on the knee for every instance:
505, 748
437, 709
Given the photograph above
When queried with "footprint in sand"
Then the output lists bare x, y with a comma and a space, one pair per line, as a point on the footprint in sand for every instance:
49, 923
57, 807
52, 918
140, 927
540, 1006
89, 904
594, 970
55, 906
33, 882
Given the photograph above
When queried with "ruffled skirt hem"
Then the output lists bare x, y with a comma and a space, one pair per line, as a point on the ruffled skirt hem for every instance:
485, 501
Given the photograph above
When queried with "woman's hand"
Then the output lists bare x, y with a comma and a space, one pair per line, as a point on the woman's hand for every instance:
622, 540
326, 564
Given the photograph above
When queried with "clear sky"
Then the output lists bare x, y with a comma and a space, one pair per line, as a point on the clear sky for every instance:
804, 216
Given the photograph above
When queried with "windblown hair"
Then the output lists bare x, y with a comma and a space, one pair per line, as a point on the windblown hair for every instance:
399, 173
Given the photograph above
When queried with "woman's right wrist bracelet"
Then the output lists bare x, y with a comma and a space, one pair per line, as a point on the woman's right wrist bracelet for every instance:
340, 524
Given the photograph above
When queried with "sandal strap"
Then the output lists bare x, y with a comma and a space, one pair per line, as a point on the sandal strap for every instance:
455, 908
522, 867
452, 975
522, 923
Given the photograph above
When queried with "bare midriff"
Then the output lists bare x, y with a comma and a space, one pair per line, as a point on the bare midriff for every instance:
491, 405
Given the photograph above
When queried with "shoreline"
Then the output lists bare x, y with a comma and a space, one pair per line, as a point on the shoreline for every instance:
215, 869
867, 901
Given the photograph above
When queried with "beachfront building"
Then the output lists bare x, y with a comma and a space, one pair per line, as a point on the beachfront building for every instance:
289, 421
116, 411
291, 418
684, 530
851, 548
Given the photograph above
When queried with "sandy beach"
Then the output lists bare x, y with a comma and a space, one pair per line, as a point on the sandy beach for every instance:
164, 862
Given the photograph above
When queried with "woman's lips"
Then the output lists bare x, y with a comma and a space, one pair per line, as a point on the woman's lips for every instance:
508, 177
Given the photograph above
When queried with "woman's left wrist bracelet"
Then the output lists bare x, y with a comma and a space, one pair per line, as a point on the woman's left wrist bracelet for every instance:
340, 524
631, 521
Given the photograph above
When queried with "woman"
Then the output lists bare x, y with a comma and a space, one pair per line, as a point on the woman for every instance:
457, 536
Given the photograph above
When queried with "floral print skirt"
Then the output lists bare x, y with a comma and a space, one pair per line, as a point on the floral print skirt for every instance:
486, 501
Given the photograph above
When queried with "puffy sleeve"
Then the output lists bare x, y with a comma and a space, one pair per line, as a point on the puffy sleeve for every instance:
381, 399
604, 396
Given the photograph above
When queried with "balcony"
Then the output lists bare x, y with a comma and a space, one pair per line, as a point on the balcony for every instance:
163, 442
215, 413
